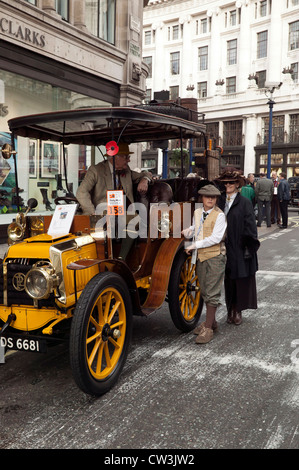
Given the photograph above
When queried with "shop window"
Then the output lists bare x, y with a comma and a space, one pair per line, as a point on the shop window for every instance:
175, 63
232, 133
294, 128
39, 163
276, 159
62, 8
294, 35
230, 160
293, 158
212, 132
203, 58
262, 42
100, 18
277, 130
232, 52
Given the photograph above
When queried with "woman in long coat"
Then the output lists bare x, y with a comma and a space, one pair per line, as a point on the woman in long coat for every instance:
241, 247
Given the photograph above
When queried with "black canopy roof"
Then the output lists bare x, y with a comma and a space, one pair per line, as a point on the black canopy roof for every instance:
97, 126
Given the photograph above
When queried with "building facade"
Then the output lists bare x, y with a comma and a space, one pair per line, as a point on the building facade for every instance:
230, 55
63, 54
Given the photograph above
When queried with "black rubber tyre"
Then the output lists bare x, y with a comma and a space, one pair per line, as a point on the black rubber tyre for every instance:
101, 333
185, 301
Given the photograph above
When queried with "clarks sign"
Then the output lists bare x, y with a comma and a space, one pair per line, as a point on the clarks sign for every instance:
21, 32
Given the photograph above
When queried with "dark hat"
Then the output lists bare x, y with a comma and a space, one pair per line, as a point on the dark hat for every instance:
209, 190
231, 175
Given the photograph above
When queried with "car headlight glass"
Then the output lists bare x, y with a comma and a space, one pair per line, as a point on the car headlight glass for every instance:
40, 282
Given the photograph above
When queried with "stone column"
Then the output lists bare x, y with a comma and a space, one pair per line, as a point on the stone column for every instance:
250, 142
79, 14
162, 66
188, 72
214, 51
244, 48
49, 6
274, 44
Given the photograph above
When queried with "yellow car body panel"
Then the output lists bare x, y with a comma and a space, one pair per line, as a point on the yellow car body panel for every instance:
29, 318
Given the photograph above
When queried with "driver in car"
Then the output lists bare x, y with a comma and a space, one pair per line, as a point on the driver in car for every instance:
99, 179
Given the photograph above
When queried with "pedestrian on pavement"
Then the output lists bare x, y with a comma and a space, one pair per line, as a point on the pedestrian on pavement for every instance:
208, 245
275, 209
241, 247
284, 197
248, 191
251, 179
264, 189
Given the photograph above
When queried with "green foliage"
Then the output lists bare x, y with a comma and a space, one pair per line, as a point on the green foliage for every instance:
175, 158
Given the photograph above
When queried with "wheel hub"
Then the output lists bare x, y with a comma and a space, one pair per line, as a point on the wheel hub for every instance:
191, 288
107, 332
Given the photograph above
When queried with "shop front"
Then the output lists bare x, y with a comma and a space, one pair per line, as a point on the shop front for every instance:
47, 64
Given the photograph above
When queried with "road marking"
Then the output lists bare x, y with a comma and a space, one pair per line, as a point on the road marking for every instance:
278, 273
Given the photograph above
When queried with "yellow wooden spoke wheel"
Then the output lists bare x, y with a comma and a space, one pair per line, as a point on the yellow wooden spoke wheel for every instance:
106, 333
100, 333
185, 301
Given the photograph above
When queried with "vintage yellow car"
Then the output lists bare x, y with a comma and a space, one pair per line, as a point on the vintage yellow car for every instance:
72, 286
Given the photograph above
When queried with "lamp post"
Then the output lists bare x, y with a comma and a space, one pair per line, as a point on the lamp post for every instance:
271, 86
271, 103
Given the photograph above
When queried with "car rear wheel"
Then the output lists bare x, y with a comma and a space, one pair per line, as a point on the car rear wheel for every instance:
100, 333
185, 301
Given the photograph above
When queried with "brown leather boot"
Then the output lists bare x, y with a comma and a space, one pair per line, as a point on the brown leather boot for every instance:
205, 336
198, 329
237, 319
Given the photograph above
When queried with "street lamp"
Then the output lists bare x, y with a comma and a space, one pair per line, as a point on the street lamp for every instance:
270, 87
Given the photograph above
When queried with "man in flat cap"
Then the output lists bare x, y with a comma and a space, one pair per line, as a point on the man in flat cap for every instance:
208, 231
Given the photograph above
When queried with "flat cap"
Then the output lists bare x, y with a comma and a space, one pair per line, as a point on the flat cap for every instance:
209, 190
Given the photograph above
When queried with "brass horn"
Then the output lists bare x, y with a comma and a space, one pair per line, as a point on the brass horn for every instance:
15, 231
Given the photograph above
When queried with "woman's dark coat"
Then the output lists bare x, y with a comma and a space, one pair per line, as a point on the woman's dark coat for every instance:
241, 239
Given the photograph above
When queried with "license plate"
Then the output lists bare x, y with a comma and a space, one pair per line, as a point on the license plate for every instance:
21, 343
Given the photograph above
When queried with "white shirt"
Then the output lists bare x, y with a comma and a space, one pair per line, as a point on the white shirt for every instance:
217, 234
229, 202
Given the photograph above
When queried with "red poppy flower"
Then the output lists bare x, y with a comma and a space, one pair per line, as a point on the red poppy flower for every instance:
112, 148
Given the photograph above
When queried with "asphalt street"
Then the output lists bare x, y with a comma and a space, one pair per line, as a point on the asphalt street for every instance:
238, 392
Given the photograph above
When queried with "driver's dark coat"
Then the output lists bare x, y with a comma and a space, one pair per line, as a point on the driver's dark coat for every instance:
241, 233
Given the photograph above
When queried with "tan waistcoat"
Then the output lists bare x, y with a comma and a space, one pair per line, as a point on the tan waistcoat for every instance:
207, 230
